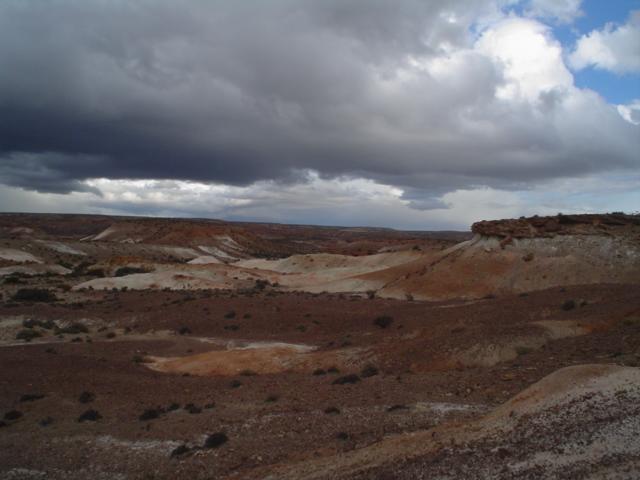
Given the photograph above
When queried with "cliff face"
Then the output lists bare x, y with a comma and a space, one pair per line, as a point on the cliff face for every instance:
614, 224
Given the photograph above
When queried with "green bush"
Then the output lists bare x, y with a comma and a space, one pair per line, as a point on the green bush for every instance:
215, 440
521, 350
351, 378
34, 295
27, 334
14, 280
631, 321
369, 371
122, 271
32, 323
383, 321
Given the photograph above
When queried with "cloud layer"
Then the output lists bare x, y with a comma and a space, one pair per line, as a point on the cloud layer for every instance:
421, 98
615, 48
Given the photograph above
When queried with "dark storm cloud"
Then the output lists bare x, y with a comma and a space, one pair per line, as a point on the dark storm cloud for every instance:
235, 92
45, 175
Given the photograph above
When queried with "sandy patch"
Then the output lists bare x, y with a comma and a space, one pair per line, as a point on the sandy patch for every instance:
259, 358
19, 256
105, 234
162, 447
444, 408
489, 354
34, 269
203, 260
61, 248
180, 252
562, 328
337, 266
183, 277
218, 253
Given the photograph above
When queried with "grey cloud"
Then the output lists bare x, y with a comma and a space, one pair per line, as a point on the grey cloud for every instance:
421, 199
30, 171
237, 92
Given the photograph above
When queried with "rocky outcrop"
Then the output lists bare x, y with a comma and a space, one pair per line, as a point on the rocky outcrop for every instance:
526, 254
616, 224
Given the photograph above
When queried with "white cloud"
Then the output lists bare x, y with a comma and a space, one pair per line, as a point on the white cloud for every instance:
631, 112
531, 58
343, 196
615, 48
564, 11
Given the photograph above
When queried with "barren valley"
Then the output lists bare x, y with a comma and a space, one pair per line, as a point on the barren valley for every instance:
140, 348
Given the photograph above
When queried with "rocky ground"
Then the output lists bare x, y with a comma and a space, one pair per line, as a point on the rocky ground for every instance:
282, 417
618, 224
265, 382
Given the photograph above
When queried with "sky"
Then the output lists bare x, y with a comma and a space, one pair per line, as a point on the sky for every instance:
410, 114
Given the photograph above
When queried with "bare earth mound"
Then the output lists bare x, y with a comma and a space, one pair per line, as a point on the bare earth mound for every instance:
577, 421
514, 256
